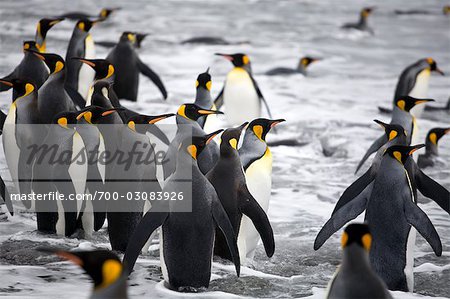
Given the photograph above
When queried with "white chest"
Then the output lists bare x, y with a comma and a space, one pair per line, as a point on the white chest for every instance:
420, 91
86, 74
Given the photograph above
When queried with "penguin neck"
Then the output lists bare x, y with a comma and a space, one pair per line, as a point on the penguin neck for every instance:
186, 165
247, 67
253, 143
355, 258
301, 67
226, 151
203, 98
116, 290
60, 76
431, 149
362, 20
31, 96
181, 120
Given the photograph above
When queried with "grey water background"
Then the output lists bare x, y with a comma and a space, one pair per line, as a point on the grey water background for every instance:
331, 110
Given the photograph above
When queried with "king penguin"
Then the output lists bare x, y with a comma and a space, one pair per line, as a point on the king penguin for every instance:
355, 278
203, 100
61, 166
43, 26
362, 24
21, 133
228, 179
187, 239
80, 76
30, 67
105, 71
108, 274
431, 149
186, 118
137, 176
393, 215
104, 14
401, 116
128, 67
301, 68
395, 135
240, 94
256, 159
52, 97
413, 81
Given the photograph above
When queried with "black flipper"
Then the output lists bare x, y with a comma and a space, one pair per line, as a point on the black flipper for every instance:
146, 71
432, 189
155, 131
6, 198
4, 87
260, 95
77, 99
417, 218
2, 121
354, 189
106, 44
372, 149
218, 102
149, 223
250, 207
384, 110
224, 224
348, 212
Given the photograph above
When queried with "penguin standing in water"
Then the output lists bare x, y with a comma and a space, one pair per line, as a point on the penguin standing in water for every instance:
228, 179
53, 98
256, 160
108, 274
187, 239
30, 67
301, 68
413, 81
395, 135
401, 116
43, 26
355, 277
362, 24
60, 166
104, 14
203, 100
240, 94
431, 149
391, 210
19, 133
137, 176
186, 118
79, 75
128, 67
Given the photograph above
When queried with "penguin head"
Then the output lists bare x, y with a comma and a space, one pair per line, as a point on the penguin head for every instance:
102, 87
44, 25
92, 114
140, 38
196, 144
434, 67
446, 10
67, 119
141, 119
204, 81
86, 24
392, 131
406, 103
238, 59
103, 266
106, 12
230, 138
435, 134
261, 126
401, 153
129, 37
21, 86
194, 112
102, 67
29, 45
366, 11
54, 62
306, 61
358, 234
